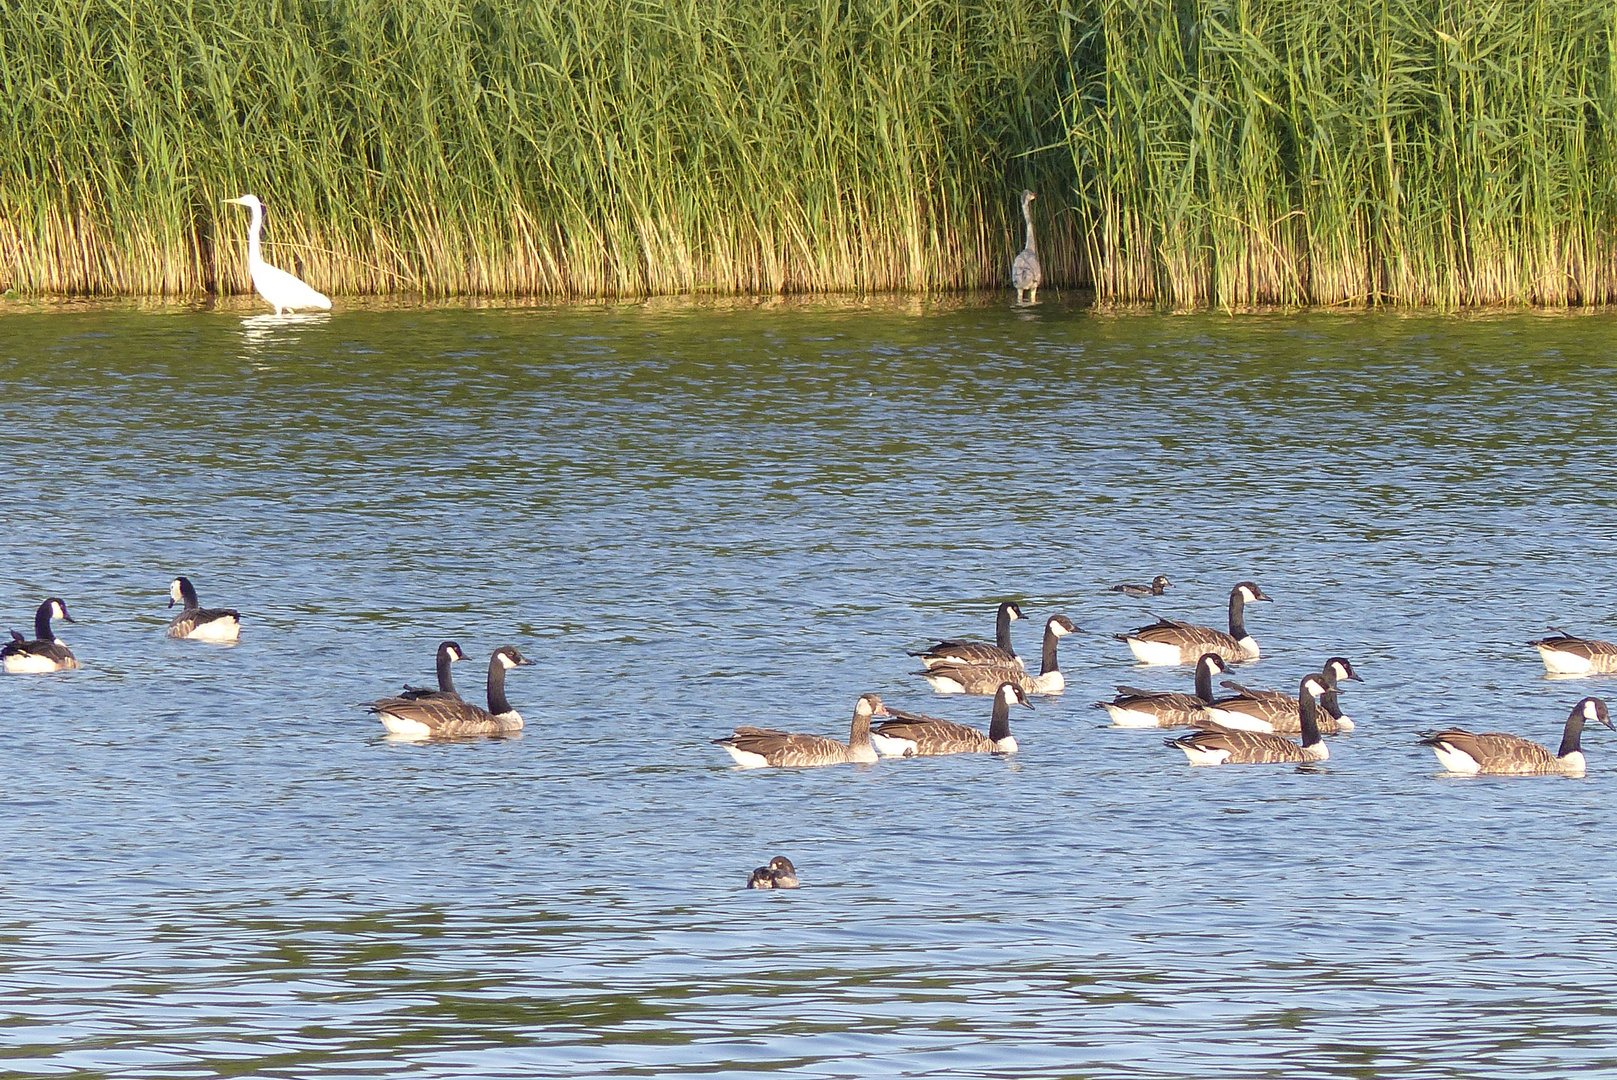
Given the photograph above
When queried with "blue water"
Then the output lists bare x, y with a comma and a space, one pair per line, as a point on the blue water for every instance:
697, 516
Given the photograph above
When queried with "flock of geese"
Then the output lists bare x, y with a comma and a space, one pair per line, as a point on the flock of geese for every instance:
1246, 726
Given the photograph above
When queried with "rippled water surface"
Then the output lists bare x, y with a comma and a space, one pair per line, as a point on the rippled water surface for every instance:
699, 516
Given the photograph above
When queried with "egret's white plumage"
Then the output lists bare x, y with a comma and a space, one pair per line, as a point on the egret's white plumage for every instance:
282, 290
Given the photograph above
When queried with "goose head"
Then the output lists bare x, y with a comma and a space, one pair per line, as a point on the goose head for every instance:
1060, 626
58, 609
509, 658
1010, 611
1339, 668
1010, 694
1313, 686
1593, 710
1250, 592
179, 589
453, 650
1212, 663
870, 705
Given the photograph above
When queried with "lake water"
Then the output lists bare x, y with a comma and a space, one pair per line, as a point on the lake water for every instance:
699, 515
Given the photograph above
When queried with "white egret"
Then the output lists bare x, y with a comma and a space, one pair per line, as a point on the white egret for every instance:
283, 290
1025, 272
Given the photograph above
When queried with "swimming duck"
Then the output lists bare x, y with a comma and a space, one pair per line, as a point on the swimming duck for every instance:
1136, 708
1158, 586
197, 622
46, 652
1272, 711
439, 716
754, 747
978, 652
1167, 641
779, 874
1497, 753
913, 735
448, 653
1567, 655
1217, 745
962, 678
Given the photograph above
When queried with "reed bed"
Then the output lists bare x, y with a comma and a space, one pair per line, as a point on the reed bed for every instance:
1408, 152
568, 148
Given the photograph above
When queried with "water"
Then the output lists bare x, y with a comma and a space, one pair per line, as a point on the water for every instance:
695, 516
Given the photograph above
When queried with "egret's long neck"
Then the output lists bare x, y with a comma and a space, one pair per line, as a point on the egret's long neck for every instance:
1027, 216
42, 624
496, 688
446, 682
255, 252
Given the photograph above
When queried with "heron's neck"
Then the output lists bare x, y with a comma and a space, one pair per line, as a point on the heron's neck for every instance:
1027, 215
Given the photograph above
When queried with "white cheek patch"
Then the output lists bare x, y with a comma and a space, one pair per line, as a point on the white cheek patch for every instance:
1246, 594
58, 611
1589, 712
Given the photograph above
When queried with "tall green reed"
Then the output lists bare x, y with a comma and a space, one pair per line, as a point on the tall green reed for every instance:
1249, 152
573, 148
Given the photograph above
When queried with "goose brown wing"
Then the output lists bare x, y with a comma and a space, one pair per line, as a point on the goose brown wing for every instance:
1588, 648
56, 653
983, 678
1246, 747
1166, 700
967, 652
1496, 750
440, 715
933, 736
787, 748
187, 621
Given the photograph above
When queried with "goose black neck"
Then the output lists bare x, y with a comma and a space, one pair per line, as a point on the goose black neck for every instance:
188, 595
496, 688
1331, 704
42, 623
999, 726
1308, 715
1237, 615
1048, 663
1572, 739
859, 734
1204, 682
446, 683
1002, 629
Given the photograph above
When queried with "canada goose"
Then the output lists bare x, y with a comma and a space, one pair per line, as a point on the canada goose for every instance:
1026, 275
1567, 655
960, 678
197, 622
979, 652
779, 874
1496, 753
46, 652
1217, 745
754, 747
1272, 711
1135, 708
1169, 642
448, 653
1158, 586
914, 735
438, 716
